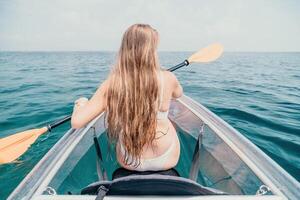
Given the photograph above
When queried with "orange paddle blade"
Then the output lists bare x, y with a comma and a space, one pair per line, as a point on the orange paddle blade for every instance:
207, 54
12, 147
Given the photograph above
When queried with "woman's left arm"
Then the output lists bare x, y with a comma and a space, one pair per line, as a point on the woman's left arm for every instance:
86, 110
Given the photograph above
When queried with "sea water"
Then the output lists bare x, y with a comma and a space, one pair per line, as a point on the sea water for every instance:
256, 93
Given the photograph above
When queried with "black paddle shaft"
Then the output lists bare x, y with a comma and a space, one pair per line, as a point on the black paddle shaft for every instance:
58, 122
184, 63
68, 118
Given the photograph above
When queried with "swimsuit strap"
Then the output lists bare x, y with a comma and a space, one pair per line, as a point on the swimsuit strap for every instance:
161, 89
161, 115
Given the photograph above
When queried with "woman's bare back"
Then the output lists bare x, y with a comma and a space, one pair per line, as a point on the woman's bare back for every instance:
166, 136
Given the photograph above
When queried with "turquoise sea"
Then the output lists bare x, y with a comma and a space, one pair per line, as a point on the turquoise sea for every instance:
256, 93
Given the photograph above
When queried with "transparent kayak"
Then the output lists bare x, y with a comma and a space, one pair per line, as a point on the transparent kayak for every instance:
214, 157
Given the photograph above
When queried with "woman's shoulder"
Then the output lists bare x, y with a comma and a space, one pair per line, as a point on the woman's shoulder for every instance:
169, 76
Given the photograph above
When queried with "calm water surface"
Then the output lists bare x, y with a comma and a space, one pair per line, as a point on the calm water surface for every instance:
256, 93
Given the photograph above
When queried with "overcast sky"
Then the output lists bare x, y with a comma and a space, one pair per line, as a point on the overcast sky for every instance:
249, 25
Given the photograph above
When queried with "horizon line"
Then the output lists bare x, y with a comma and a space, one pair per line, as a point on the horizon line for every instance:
114, 51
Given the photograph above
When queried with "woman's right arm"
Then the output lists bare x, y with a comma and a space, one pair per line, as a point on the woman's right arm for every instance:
86, 110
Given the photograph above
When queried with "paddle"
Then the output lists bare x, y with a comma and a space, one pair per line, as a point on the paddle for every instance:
13, 146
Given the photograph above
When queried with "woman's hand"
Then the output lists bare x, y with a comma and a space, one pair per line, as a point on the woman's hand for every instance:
80, 102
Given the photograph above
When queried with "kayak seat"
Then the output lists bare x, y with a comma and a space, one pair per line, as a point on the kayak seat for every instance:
122, 172
151, 184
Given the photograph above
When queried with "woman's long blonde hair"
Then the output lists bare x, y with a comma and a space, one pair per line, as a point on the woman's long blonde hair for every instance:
132, 96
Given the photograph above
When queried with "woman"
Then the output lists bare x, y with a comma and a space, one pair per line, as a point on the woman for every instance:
136, 97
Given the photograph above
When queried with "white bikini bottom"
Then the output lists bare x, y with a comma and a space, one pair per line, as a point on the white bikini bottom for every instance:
151, 164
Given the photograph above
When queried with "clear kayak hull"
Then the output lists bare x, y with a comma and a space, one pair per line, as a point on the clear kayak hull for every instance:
227, 160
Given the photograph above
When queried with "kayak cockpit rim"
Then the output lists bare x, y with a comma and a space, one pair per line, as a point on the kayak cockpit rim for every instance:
64, 147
